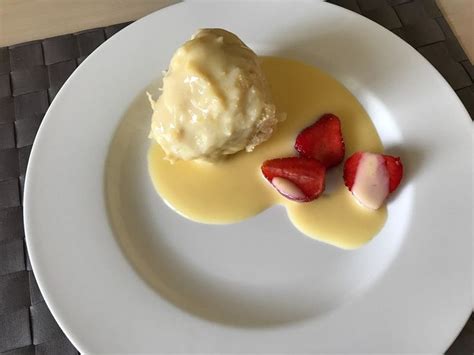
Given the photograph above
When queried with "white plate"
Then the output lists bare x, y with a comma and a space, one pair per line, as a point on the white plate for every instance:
255, 286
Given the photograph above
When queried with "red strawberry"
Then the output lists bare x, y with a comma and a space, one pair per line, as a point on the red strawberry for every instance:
299, 179
394, 166
395, 171
350, 169
323, 141
377, 176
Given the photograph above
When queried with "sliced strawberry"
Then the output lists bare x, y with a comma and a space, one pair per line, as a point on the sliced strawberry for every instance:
299, 179
371, 177
323, 141
350, 169
395, 171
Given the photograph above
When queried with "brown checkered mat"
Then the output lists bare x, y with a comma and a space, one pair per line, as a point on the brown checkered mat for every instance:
32, 73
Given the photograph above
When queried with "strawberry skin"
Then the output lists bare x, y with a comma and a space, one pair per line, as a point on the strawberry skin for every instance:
322, 141
393, 164
350, 169
395, 171
306, 174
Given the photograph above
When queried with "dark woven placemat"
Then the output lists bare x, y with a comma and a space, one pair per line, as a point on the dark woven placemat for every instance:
30, 76
32, 73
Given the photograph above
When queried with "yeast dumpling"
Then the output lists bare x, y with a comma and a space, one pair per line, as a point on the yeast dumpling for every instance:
215, 100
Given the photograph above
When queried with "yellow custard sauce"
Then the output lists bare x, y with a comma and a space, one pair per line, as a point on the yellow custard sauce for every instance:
234, 189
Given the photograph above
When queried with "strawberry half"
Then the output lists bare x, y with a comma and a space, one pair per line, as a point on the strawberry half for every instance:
299, 179
371, 177
322, 141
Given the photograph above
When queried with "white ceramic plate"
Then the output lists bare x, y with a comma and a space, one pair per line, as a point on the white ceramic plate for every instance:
164, 284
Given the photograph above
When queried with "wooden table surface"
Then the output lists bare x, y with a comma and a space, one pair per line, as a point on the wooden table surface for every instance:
27, 20
460, 16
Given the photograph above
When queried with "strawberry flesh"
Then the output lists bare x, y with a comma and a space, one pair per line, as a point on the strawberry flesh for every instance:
306, 174
287, 188
392, 165
322, 141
